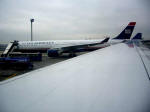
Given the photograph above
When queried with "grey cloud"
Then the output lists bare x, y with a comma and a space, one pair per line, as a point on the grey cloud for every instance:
70, 19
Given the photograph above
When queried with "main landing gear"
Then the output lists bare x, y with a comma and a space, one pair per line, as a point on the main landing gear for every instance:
72, 54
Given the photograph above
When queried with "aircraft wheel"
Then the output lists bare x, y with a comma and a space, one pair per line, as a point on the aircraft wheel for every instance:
72, 55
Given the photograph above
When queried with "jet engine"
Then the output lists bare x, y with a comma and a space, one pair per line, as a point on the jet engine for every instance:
53, 53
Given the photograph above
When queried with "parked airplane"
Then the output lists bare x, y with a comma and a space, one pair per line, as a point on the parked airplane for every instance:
113, 79
58, 47
138, 36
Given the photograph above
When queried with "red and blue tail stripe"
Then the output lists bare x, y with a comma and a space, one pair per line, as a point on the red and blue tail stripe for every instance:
127, 32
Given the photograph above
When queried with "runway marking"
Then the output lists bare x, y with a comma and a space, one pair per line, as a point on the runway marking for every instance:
13, 75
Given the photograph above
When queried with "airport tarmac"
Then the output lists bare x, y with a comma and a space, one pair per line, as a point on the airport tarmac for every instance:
9, 73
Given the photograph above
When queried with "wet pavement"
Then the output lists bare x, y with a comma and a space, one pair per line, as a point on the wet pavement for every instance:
46, 61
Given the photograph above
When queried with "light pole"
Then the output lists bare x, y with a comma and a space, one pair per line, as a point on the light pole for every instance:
32, 20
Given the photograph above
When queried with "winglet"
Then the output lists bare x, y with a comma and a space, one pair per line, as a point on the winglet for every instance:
137, 36
127, 32
105, 40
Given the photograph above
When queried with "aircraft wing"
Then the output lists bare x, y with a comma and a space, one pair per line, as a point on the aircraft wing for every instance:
81, 45
113, 79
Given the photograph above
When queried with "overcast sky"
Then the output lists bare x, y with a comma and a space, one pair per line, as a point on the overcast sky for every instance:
71, 19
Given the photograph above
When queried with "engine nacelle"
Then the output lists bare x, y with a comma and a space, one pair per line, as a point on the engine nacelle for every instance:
53, 53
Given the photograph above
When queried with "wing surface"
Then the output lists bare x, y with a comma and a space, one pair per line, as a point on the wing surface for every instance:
113, 79
80, 45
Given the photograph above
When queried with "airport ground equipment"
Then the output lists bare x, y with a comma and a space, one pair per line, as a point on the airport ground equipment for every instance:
31, 56
15, 63
10, 47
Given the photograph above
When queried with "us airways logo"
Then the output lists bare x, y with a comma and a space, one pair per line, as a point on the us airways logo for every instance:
127, 31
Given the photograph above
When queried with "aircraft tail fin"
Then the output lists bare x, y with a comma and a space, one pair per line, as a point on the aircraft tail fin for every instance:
137, 36
127, 32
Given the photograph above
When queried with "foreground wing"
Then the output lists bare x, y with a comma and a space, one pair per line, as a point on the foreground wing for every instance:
112, 79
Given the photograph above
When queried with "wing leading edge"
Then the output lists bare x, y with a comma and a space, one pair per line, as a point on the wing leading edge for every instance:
112, 79
72, 49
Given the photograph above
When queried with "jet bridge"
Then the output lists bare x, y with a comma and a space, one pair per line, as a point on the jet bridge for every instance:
10, 47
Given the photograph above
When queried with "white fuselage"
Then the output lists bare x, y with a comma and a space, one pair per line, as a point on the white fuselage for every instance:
53, 44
